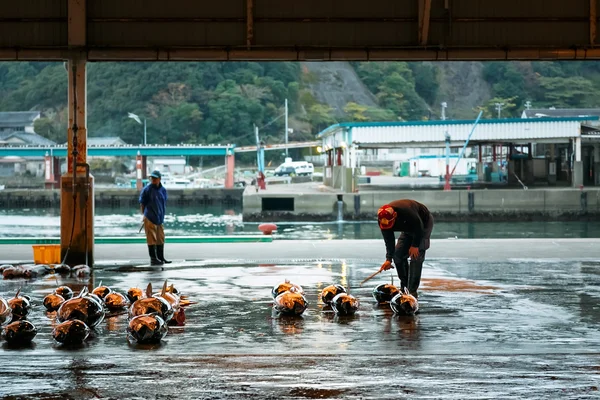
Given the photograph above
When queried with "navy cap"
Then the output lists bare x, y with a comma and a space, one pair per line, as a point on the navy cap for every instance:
155, 174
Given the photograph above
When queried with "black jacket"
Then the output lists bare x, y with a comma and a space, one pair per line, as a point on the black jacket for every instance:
412, 217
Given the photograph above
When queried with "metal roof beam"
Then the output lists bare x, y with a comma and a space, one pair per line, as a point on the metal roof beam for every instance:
76, 23
424, 18
303, 54
593, 21
249, 23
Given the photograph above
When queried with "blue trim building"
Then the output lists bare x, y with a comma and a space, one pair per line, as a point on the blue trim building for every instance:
566, 142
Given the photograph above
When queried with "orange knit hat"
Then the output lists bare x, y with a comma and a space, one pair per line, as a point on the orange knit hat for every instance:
386, 217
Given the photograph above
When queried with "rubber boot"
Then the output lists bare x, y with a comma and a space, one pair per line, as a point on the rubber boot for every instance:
414, 276
153, 259
402, 270
160, 253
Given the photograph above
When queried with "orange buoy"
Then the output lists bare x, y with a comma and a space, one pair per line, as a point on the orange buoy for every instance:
267, 229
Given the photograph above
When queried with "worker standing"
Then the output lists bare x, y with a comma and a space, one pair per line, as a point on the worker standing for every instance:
153, 202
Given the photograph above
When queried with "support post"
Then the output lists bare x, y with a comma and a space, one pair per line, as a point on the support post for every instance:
49, 172
596, 164
577, 164
447, 184
77, 185
57, 172
144, 167
552, 171
139, 184
229, 167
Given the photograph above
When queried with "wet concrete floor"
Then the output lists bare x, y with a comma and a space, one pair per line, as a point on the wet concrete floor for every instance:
497, 329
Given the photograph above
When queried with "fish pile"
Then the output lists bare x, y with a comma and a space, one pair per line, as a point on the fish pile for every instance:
289, 299
14, 312
401, 301
32, 271
78, 314
341, 302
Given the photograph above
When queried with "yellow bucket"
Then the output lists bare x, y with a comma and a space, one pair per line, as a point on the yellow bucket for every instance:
46, 254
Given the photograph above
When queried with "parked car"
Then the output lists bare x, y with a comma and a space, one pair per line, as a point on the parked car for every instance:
301, 168
285, 171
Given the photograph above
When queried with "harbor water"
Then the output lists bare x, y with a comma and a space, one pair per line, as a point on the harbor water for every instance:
211, 221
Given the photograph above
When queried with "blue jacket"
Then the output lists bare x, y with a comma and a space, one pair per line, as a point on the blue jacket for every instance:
154, 200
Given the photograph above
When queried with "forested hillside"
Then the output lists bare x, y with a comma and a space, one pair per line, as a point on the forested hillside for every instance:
221, 102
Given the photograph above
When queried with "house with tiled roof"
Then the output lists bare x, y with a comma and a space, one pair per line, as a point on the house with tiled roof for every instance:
24, 138
16, 129
18, 121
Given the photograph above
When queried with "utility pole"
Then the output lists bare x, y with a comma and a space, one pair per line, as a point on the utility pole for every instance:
447, 140
260, 162
286, 128
144, 131
444, 105
499, 108
528, 104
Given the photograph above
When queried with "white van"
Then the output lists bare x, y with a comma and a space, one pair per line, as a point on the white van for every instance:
303, 168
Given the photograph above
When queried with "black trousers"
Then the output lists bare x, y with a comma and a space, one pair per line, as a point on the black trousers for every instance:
410, 274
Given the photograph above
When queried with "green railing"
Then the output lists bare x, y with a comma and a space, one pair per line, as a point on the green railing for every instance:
141, 239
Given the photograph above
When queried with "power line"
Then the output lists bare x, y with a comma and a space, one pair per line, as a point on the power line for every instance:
264, 126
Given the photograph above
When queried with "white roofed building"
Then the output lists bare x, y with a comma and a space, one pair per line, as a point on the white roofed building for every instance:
176, 166
573, 148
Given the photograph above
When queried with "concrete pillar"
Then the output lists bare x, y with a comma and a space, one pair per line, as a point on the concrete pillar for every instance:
577, 164
144, 167
50, 176
77, 185
229, 168
552, 167
510, 171
57, 172
528, 176
480, 176
596, 164
138, 172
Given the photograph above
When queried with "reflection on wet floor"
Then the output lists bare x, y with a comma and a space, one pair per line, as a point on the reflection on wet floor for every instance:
499, 311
